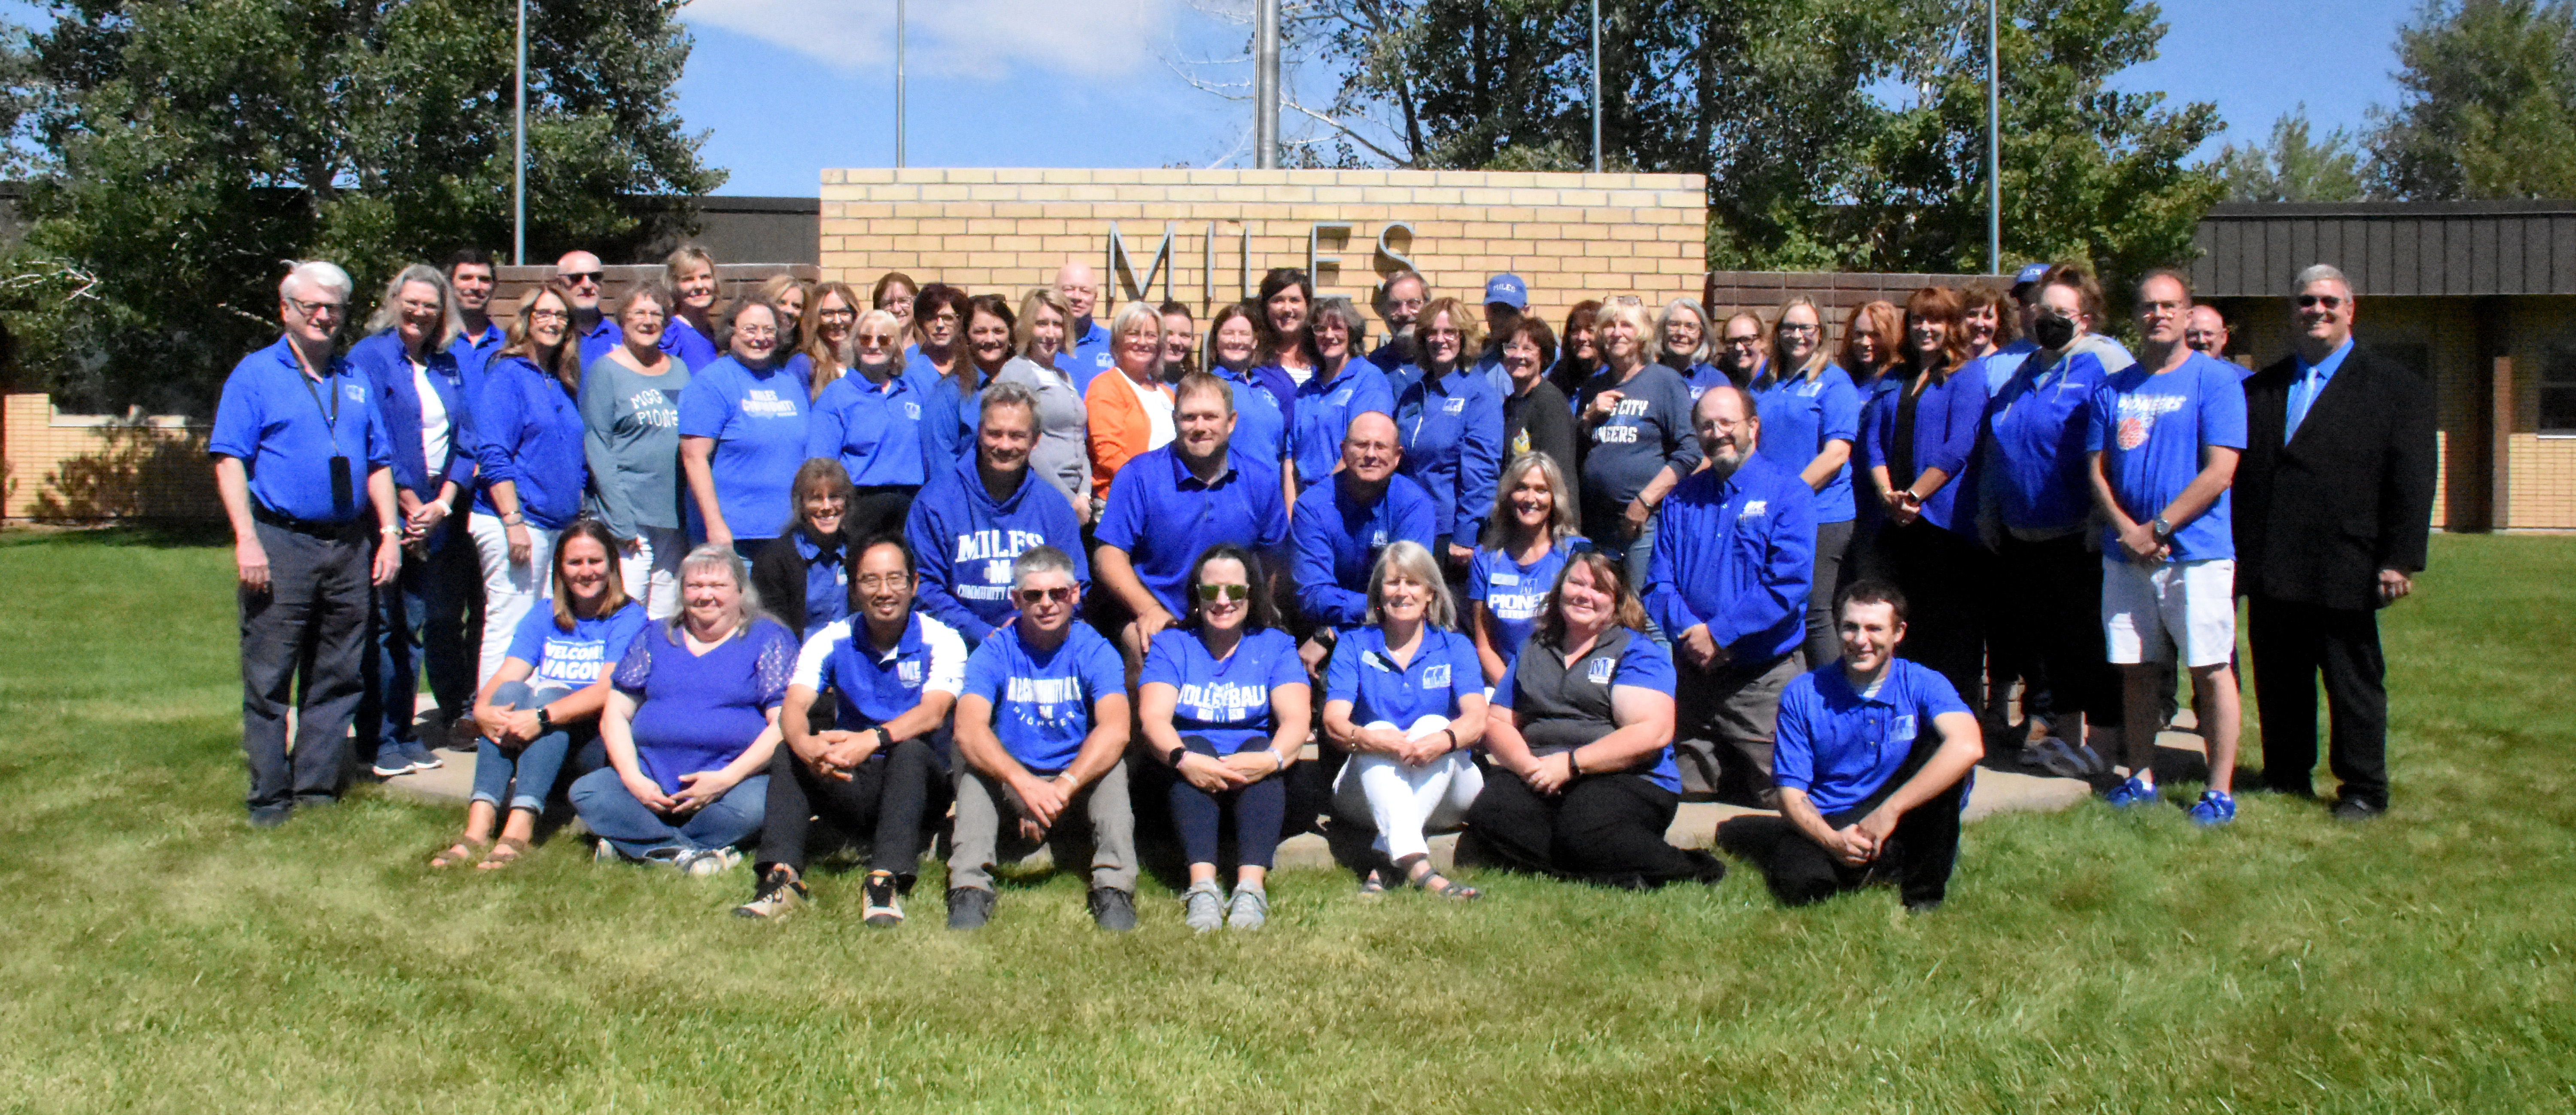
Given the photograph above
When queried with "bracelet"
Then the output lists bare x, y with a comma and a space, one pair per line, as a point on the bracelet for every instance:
1277, 764
513, 519
1573, 766
1453, 739
389, 529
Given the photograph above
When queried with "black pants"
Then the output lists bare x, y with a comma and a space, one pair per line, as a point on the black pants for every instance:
1604, 828
1200, 816
311, 622
2057, 607
888, 795
2292, 645
1941, 572
1917, 857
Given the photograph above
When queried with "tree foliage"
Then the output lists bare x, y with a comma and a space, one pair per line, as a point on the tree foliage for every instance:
185, 148
2487, 103
1834, 133
2293, 166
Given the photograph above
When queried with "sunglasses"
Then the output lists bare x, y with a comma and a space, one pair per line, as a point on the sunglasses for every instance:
2311, 301
1061, 594
579, 278
1214, 593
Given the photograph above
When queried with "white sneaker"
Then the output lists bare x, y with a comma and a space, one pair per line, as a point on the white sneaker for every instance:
709, 861
2066, 760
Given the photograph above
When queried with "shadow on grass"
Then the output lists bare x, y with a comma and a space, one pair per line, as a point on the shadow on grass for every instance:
155, 534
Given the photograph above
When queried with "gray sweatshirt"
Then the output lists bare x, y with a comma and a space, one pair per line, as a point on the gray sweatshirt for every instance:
631, 438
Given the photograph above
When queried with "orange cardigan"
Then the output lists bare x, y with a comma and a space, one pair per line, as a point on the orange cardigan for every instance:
1119, 428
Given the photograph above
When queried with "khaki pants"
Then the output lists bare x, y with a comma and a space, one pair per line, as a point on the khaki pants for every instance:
988, 824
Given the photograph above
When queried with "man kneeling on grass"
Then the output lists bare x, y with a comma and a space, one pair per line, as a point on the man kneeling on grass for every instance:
1042, 729
1872, 760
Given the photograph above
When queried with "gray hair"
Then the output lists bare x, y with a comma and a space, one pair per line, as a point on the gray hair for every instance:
1340, 309
1041, 559
2319, 273
711, 555
316, 273
1698, 355
389, 313
1413, 560
1007, 394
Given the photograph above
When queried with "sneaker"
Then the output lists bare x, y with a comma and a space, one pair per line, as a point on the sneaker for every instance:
969, 907
885, 907
601, 851
1112, 909
2213, 809
707, 862
1202, 907
2131, 793
2356, 811
422, 758
1250, 908
2063, 759
780, 893
391, 762
271, 816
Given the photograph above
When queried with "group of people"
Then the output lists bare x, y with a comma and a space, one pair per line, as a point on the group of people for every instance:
813, 566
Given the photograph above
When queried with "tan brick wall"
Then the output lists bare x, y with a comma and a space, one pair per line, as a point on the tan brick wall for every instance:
75, 467
2544, 482
1569, 236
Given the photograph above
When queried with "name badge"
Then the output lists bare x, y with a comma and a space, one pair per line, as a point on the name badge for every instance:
1506, 578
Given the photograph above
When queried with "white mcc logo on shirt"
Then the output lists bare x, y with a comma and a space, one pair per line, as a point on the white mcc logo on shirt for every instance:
1600, 670
1435, 676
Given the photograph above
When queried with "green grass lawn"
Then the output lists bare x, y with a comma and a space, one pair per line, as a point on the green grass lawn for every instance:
157, 954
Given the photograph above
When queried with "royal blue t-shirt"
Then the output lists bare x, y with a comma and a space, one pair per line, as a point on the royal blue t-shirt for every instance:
757, 418
1514, 594
573, 659
285, 426
1640, 665
875, 432
2150, 429
1799, 416
699, 712
1042, 700
1163, 517
1225, 702
1840, 747
1443, 672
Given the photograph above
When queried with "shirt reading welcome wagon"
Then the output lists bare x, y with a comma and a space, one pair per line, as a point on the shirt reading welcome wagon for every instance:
1042, 698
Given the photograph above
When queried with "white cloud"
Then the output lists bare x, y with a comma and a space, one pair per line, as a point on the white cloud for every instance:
968, 38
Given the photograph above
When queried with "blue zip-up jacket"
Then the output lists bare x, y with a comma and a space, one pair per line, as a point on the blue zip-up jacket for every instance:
1337, 541
1323, 412
1736, 554
529, 433
381, 359
964, 543
1451, 428
1946, 419
2035, 443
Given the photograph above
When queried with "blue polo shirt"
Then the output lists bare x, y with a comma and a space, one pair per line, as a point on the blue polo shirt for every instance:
1260, 427
1736, 554
1514, 594
1224, 701
682, 340
2150, 430
1799, 416
756, 417
827, 583
1451, 428
870, 688
1841, 747
280, 424
573, 659
602, 336
1998, 366
529, 432
964, 541
2035, 443
875, 432
1086, 352
1640, 665
1338, 540
474, 353
1042, 700
1162, 517
1323, 411
1443, 673
1699, 376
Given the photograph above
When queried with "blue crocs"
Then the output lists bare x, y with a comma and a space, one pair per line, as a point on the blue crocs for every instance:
2130, 794
2213, 809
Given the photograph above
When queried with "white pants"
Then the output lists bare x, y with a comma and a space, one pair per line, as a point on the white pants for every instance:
2189, 604
652, 572
508, 590
1405, 801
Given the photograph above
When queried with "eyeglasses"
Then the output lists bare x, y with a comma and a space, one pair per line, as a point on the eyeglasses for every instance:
1794, 327
1743, 342
317, 309
836, 315
1061, 594
548, 315
2311, 301
412, 306
874, 581
582, 278
757, 332
1214, 593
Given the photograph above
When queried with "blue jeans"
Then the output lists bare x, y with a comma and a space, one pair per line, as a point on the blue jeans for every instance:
531, 768
419, 622
614, 814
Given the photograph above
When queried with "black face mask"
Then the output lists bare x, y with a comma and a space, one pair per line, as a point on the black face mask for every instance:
2052, 332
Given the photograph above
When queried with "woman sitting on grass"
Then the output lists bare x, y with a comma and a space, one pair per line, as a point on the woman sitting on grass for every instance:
1584, 737
690, 726
1405, 698
1223, 700
546, 696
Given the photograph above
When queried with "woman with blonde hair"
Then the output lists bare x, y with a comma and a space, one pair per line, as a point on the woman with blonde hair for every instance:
831, 321
1130, 407
1449, 421
630, 412
1637, 416
1810, 421
785, 294
1063, 452
690, 273
1405, 698
872, 421
1529, 536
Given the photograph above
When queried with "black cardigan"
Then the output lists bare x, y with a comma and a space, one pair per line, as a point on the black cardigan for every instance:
778, 576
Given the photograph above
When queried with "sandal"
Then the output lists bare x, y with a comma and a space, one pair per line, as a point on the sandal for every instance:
1449, 888
449, 856
505, 851
1372, 887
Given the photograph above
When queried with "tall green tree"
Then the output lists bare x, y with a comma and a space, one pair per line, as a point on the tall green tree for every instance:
2293, 166
2486, 105
187, 147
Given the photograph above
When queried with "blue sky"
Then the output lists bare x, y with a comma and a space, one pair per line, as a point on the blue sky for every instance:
789, 87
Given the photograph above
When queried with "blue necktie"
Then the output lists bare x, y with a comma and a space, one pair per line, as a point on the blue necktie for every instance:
2303, 396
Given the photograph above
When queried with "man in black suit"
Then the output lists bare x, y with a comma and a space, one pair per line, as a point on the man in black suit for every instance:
2334, 497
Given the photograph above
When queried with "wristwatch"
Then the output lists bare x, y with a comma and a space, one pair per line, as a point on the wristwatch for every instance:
2162, 528
1173, 757
545, 723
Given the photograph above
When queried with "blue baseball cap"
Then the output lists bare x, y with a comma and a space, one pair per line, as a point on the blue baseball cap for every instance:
1508, 290
2031, 274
